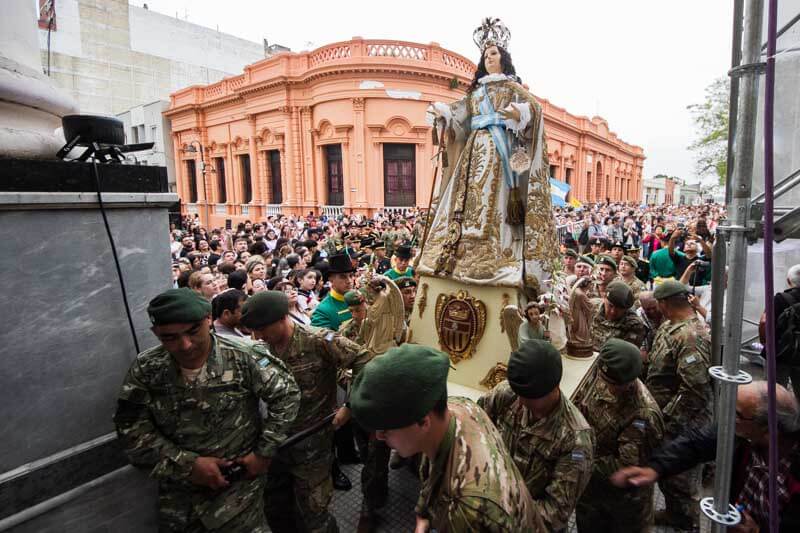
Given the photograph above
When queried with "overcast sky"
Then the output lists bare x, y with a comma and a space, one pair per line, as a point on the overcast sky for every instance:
636, 63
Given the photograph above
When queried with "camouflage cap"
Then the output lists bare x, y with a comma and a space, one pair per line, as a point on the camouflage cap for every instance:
264, 308
178, 306
376, 400
606, 260
534, 369
571, 253
620, 361
619, 294
669, 288
630, 260
353, 298
586, 259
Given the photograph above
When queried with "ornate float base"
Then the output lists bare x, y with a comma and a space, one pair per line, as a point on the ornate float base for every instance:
465, 321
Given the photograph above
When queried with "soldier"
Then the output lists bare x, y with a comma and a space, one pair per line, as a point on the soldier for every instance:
642, 265
469, 481
570, 257
333, 310
606, 273
617, 251
549, 439
357, 304
299, 485
678, 380
408, 288
401, 259
366, 258
627, 273
628, 425
597, 247
617, 318
381, 262
651, 317
188, 410
584, 266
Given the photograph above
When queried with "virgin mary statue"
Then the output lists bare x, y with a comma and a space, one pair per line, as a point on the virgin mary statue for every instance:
491, 245
493, 225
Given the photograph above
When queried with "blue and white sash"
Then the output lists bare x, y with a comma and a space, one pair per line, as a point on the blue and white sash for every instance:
494, 122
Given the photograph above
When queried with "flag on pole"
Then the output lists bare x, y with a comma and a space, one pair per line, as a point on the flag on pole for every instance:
558, 192
575, 203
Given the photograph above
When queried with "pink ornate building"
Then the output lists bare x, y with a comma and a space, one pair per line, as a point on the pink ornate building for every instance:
342, 129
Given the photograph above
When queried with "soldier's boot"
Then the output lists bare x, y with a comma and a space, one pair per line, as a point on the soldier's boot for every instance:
340, 480
681, 523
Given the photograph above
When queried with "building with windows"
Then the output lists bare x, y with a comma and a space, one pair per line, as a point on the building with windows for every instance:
341, 129
661, 190
147, 123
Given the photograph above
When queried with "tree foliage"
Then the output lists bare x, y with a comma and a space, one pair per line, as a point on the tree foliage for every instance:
711, 122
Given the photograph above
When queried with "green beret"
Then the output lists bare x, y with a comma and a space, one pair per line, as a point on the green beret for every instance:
606, 260
534, 369
630, 260
264, 308
619, 294
400, 387
620, 361
353, 298
571, 253
405, 282
669, 288
586, 259
178, 306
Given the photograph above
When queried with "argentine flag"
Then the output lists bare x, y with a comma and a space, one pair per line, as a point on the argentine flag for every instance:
558, 192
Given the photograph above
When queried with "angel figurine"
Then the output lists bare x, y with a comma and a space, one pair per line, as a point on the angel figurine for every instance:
494, 223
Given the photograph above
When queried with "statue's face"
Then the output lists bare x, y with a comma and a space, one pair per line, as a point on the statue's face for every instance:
491, 60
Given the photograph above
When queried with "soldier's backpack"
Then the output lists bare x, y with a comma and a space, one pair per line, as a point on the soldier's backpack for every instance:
787, 331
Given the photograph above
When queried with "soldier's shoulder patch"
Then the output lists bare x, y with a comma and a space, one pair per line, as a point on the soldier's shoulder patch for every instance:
578, 456
640, 424
264, 362
329, 336
690, 359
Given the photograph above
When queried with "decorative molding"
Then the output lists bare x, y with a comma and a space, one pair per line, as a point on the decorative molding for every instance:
358, 103
423, 300
460, 323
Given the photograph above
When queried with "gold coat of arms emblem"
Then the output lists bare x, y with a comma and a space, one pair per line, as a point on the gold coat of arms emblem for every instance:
460, 322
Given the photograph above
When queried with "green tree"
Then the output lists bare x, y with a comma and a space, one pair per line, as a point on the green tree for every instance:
711, 121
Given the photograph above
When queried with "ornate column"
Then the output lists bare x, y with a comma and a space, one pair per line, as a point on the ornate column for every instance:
358, 178
297, 158
255, 175
230, 176
308, 157
290, 198
180, 169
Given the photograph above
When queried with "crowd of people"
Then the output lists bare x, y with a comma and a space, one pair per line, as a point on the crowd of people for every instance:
633, 288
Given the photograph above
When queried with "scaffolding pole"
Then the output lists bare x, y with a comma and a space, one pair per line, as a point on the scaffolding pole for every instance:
736, 229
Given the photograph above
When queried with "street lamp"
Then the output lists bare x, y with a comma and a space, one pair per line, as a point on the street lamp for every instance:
203, 170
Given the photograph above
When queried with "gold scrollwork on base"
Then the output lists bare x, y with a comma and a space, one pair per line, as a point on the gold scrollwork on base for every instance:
460, 323
496, 374
423, 299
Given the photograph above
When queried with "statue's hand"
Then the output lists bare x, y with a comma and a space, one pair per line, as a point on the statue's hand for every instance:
510, 113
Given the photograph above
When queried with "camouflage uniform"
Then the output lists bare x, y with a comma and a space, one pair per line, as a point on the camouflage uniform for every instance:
299, 478
554, 454
636, 286
628, 328
596, 290
649, 337
164, 424
678, 379
627, 431
350, 330
473, 484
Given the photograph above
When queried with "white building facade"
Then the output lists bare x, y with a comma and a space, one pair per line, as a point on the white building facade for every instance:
146, 123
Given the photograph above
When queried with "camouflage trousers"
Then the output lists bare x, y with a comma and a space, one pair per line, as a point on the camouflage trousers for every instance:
177, 511
603, 508
375, 473
680, 494
299, 487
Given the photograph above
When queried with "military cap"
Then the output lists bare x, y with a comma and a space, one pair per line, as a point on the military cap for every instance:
620, 294
606, 260
340, 264
376, 400
380, 246
618, 244
534, 369
620, 361
404, 282
403, 252
669, 288
178, 306
586, 259
571, 253
353, 298
630, 260
367, 243
634, 248
264, 308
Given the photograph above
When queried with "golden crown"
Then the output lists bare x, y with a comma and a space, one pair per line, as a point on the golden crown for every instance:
492, 32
